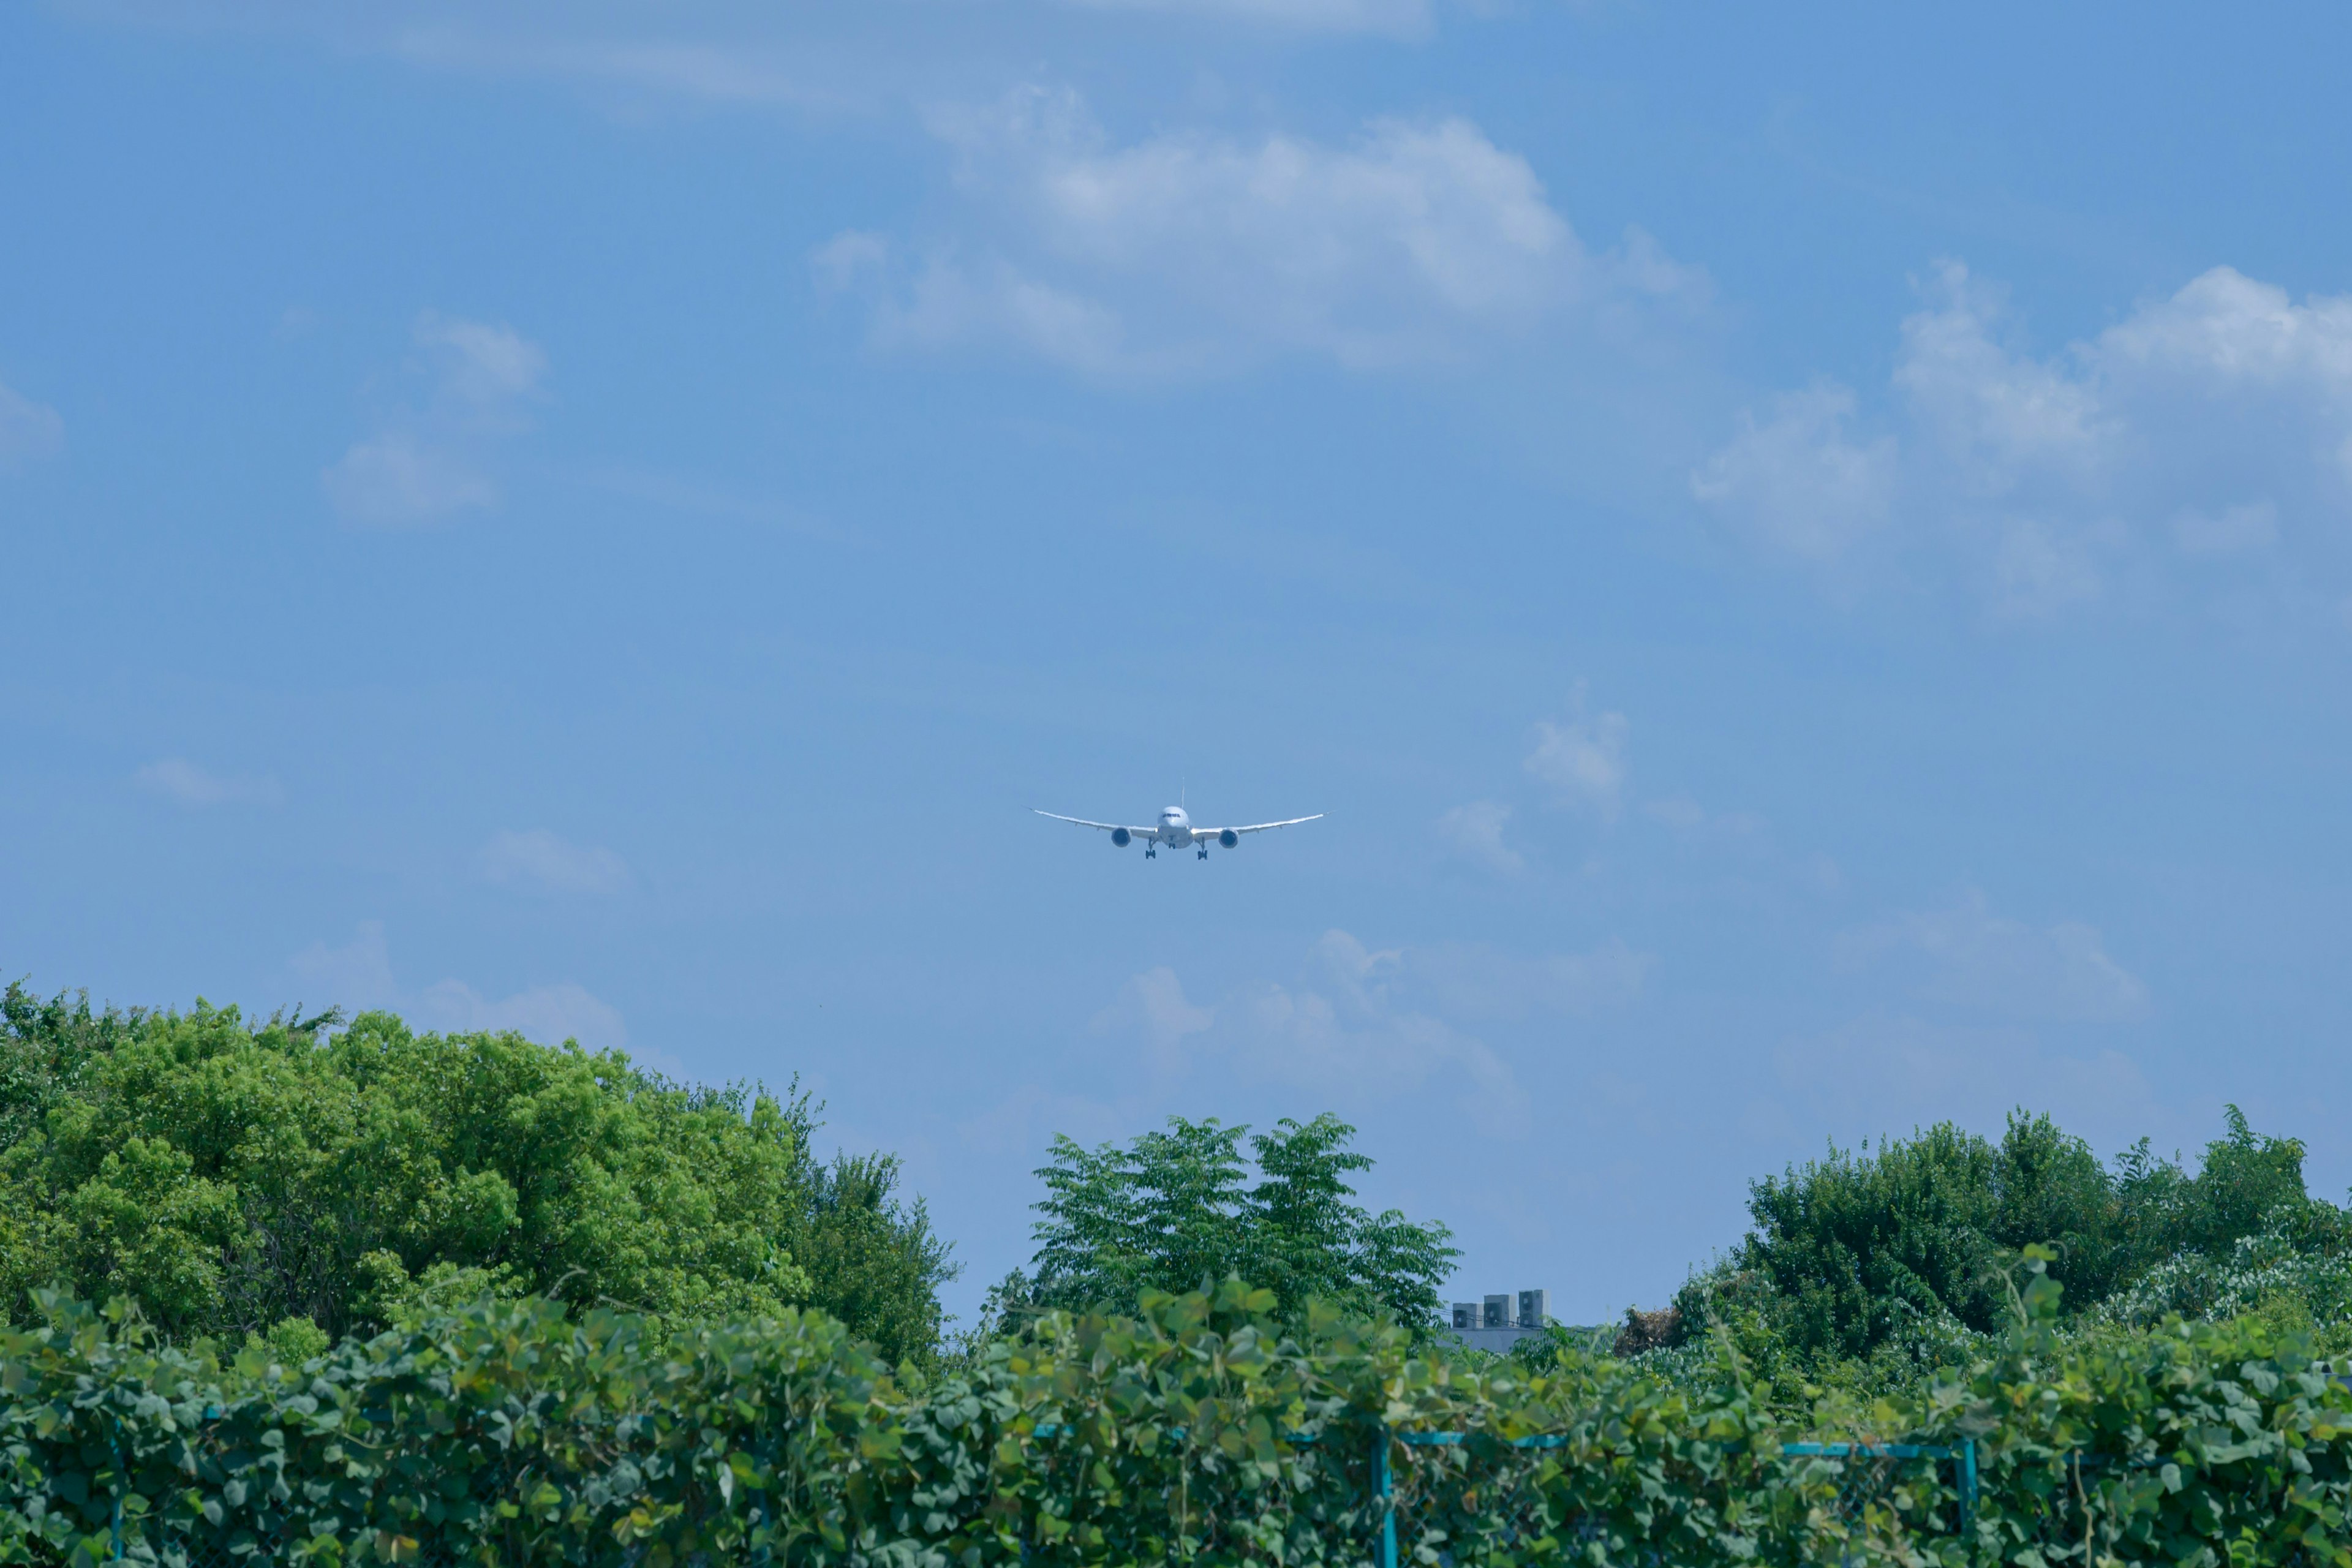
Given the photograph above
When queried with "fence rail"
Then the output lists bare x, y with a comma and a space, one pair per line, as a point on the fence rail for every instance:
1387, 1500
1867, 1485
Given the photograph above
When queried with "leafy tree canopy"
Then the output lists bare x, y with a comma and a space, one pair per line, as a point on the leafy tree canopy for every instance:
1860, 1249
1176, 1210
241, 1178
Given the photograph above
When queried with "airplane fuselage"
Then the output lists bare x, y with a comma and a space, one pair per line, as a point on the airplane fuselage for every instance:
1175, 830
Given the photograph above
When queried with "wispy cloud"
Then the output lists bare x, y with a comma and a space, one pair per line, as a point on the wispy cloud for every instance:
178, 779
1879, 1075
1793, 474
359, 974
398, 478
802, 60
547, 1014
538, 861
1582, 756
1362, 1024
29, 431
1337, 1031
432, 462
744, 70
1476, 982
356, 974
1475, 831
1971, 957
1691, 820
1395, 17
1152, 1006
1344, 1030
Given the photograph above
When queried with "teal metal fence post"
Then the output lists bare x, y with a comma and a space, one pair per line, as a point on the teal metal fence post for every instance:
121, 1482
1968, 1467
1384, 1489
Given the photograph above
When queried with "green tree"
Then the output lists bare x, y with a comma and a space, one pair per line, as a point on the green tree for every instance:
233, 1177
1176, 1210
2243, 1179
1861, 1248
872, 1262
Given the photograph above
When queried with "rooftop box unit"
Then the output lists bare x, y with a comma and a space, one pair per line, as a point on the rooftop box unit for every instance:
1465, 1314
1535, 1308
1498, 1313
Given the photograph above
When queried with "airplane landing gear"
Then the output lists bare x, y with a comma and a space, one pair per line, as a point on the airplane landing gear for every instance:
1205, 855
1151, 853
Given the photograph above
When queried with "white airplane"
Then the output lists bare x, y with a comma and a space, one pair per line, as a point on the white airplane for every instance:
1176, 831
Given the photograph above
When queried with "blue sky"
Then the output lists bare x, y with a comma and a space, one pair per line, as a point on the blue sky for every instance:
1805, 557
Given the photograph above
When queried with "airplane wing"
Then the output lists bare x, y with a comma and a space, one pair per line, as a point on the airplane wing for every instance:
1105, 826
1255, 826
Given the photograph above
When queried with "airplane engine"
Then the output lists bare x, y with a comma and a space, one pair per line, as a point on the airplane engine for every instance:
1228, 839
1121, 836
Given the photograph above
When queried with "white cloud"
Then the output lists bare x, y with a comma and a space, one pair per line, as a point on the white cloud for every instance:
1979, 960
483, 364
1888, 1075
1582, 757
1473, 981
28, 430
2213, 423
743, 72
550, 1015
1794, 477
1678, 812
630, 56
1362, 1026
360, 975
1344, 1032
841, 261
356, 975
431, 463
948, 303
1999, 414
1153, 1005
2225, 329
394, 478
1339, 1032
539, 861
1194, 252
178, 779
2232, 531
1692, 821
1476, 830
1031, 1114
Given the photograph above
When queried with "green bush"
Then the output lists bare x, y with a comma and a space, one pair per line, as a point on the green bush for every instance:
1198, 1429
233, 1177
1880, 1258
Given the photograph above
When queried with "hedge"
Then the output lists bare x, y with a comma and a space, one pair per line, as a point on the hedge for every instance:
1194, 1431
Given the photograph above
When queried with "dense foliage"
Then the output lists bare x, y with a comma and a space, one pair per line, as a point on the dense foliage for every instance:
1871, 1269
236, 1179
1176, 1210
384, 1297
1198, 1429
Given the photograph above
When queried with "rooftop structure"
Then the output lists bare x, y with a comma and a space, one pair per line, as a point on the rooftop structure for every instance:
1501, 1321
